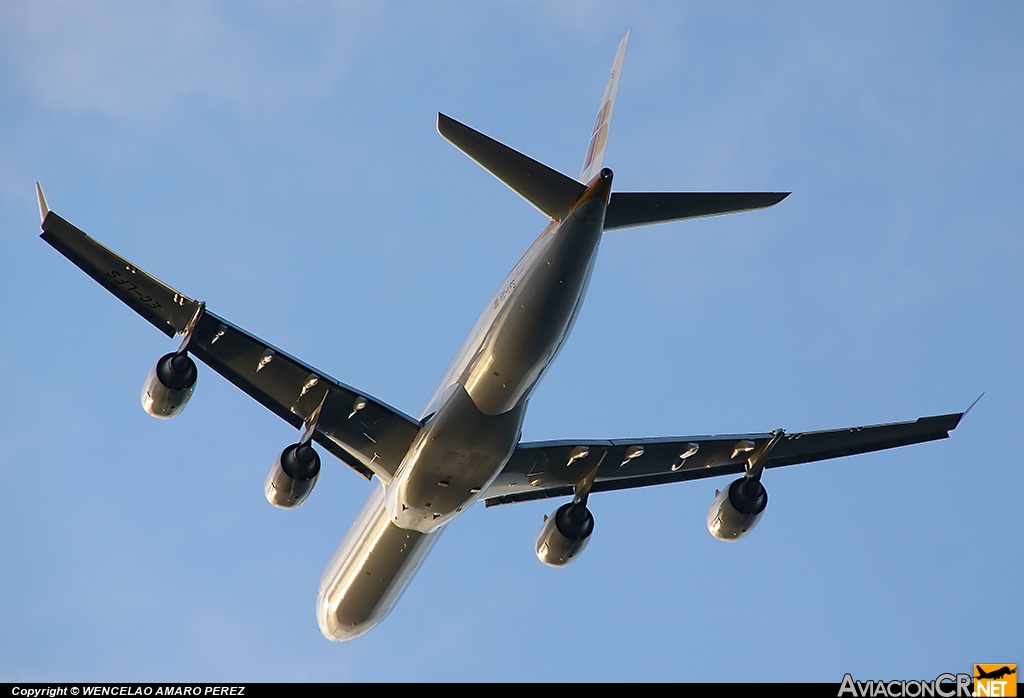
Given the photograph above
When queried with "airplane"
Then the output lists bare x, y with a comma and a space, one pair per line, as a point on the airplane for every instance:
465, 444
996, 673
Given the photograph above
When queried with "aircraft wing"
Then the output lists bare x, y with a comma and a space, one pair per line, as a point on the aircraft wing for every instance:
366, 434
552, 468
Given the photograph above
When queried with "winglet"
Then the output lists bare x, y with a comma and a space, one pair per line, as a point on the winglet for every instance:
972, 405
43, 208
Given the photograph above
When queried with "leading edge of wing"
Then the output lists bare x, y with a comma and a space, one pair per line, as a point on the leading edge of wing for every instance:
368, 435
547, 469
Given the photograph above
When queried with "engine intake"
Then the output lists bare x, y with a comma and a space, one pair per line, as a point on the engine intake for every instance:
737, 509
169, 385
292, 476
565, 534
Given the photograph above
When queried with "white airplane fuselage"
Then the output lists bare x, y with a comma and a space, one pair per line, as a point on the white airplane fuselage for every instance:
472, 422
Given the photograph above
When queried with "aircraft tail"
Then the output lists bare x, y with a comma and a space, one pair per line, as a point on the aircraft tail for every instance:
554, 193
599, 136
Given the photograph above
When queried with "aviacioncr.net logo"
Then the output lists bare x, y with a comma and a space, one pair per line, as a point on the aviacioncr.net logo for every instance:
943, 686
995, 680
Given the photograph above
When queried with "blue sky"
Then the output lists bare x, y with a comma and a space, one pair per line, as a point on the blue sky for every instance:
282, 164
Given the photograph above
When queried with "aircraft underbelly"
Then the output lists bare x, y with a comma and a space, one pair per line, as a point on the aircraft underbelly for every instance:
369, 571
453, 459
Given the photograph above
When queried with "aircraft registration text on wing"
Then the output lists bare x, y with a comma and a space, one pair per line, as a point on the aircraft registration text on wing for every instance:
465, 445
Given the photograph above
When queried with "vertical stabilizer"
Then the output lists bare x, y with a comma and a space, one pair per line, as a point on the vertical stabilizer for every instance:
595, 150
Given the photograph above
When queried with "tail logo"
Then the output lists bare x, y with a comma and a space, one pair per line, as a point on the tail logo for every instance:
599, 136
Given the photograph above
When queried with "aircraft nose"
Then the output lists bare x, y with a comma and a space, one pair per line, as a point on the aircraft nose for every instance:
339, 624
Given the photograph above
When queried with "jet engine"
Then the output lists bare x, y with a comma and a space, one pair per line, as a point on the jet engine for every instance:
564, 534
292, 476
737, 509
169, 385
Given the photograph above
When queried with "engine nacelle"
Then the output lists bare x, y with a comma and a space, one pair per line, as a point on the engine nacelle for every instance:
564, 535
292, 476
169, 385
737, 509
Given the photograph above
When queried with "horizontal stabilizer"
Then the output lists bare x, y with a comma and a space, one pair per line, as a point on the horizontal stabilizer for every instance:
629, 209
548, 190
